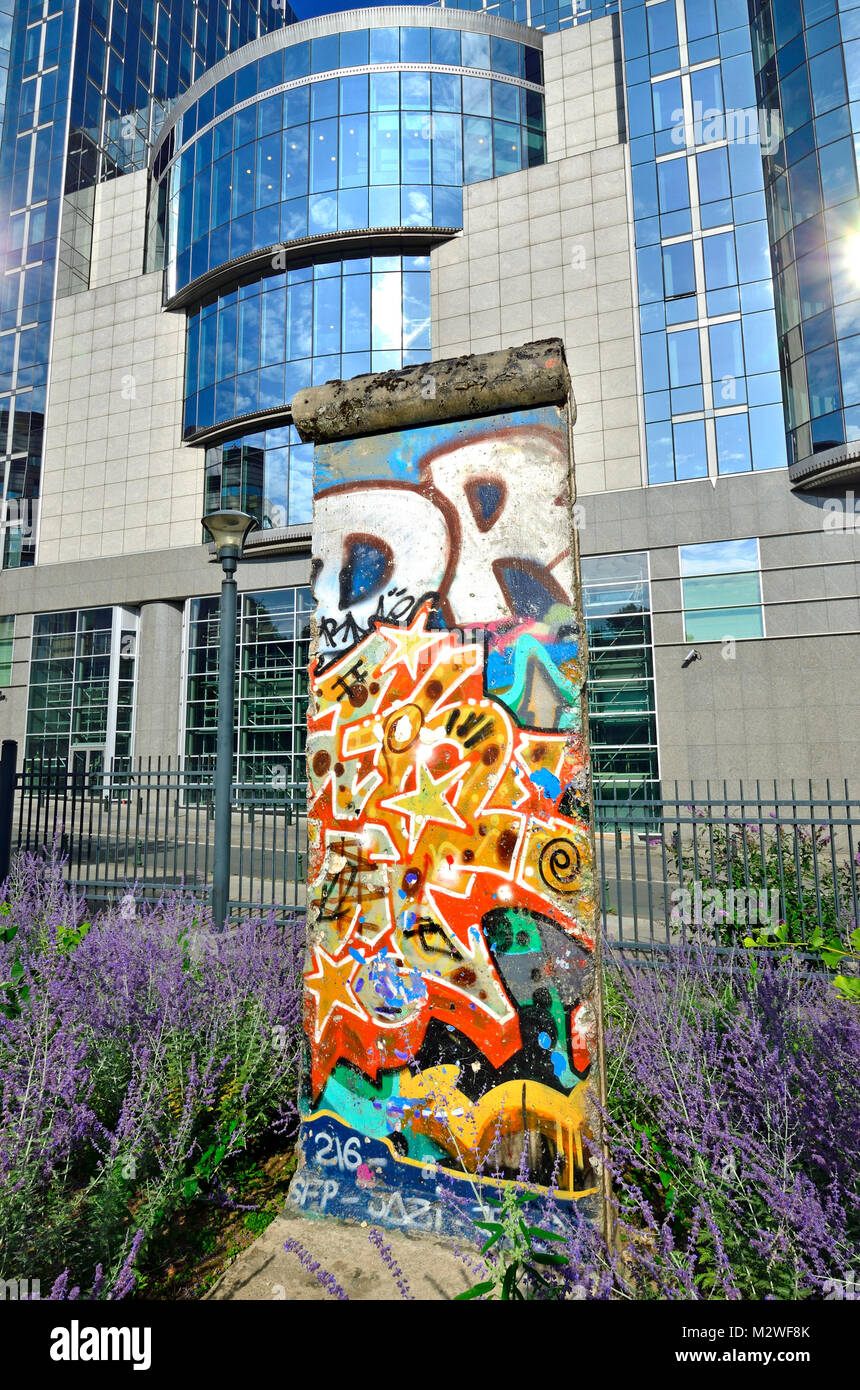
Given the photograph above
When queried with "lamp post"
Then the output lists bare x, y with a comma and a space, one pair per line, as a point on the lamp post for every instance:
228, 530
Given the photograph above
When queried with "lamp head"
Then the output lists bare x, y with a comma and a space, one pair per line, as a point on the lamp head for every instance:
228, 530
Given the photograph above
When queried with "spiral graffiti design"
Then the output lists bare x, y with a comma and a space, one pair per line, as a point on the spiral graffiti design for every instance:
559, 865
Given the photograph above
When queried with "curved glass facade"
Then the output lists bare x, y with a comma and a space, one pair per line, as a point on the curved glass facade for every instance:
807, 59
335, 134
251, 347
266, 473
358, 130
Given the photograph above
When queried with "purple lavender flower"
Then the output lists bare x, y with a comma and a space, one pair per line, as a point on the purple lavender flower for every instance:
386, 1254
314, 1267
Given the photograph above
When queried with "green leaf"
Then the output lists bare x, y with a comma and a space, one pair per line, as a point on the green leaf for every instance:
509, 1283
476, 1291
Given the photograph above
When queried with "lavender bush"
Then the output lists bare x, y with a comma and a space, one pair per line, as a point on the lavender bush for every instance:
138, 1053
732, 1135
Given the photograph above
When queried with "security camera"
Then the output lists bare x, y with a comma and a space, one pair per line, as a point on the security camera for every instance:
692, 655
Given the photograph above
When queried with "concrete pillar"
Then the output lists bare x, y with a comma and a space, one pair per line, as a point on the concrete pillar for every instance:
159, 682
451, 1007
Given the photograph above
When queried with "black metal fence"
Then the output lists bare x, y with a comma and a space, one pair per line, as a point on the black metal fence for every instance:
150, 828
731, 863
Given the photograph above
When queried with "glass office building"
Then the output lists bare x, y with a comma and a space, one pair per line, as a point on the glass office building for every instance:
807, 66
748, 278
308, 184
296, 193
70, 123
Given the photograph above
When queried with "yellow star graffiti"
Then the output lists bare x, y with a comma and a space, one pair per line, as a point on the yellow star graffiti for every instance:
334, 988
427, 801
408, 644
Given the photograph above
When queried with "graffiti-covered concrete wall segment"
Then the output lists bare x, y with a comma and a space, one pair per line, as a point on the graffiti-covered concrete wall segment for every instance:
449, 1000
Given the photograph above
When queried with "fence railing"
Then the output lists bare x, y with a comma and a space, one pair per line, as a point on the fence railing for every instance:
150, 828
729, 862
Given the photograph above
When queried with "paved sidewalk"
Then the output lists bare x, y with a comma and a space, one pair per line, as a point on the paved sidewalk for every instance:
267, 1271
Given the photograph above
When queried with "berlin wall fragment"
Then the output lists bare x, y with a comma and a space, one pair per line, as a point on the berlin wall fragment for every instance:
451, 1006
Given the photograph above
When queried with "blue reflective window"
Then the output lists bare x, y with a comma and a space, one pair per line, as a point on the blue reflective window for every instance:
415, 45
767, 436
733, 443
753, 251
649, 267
445, 91
447, 151
294, 147
713, 175
849, 365
720, 265
247, 82
477, 149
727, 361
760, 342
645, 202
827, 80
838, 166
507, 156
353, 151
655, 367
688, 438
384, 91
271, 70
505, 56
662, 27
297, 61
685, 368
476, 96
673, 184
415, 147
354, 48
415, 91
324, 97
707, 92
384, 45
805, 189
384, 148
679, 273
506, 101
822, 374
661, 459
796, 101
475, 50
324, 53
667, 103
700, 18
445, 46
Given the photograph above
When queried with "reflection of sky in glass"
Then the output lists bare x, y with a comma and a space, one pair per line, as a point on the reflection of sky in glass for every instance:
253, 347
719, 557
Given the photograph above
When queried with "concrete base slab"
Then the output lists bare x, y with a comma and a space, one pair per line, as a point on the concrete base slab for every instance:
266, 1271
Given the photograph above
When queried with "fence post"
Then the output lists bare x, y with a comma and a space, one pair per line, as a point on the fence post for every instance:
8, 759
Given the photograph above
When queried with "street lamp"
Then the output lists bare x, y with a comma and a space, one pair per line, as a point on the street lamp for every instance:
228, 530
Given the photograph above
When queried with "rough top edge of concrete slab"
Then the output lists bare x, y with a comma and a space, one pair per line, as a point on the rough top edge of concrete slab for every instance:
267, 1271
455, 388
